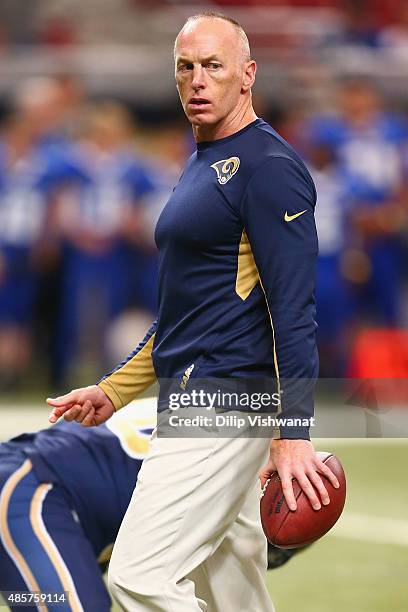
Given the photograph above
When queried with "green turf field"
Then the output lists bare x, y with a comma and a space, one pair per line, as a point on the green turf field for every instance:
362, 565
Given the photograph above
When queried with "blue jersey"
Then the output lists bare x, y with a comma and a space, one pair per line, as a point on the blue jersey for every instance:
370, 157
237, 245
332, 209
371, 160
25, 188
106, 186
96, 467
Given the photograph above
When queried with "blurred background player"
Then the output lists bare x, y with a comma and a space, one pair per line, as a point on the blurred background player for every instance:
369, 143
108, 257
76, 208
362, 232
29, 174
332, 301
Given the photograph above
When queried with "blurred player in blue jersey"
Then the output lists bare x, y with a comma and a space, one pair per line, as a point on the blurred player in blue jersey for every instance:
63, 494
108, 256
33, 163
332, 291
369, 143
29, 173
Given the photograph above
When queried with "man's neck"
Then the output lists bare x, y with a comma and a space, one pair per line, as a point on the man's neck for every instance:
224, 128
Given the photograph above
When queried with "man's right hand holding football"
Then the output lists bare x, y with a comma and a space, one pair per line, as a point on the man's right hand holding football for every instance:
89, 406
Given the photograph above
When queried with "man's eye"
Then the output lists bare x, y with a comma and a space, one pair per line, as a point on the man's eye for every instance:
184, 67
213, 65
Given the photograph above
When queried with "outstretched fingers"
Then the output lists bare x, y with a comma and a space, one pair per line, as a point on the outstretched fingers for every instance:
319, 486
308, 489
287, 488
61, 405
324, 469
56, 413
63, 400
310, 481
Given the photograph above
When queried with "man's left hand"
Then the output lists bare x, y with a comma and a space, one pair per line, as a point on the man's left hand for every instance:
298, 459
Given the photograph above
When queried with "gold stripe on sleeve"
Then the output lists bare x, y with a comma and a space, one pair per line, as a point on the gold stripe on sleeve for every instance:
126, 383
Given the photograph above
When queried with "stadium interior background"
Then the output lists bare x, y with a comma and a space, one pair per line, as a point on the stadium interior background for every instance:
92, 141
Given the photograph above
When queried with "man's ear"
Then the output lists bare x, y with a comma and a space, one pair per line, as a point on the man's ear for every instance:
249, 76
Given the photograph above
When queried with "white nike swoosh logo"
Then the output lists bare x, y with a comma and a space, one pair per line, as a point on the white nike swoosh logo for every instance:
291, 217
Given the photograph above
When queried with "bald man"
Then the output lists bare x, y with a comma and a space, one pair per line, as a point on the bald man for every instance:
237, 243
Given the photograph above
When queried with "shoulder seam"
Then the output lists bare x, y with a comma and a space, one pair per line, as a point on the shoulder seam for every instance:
264, 163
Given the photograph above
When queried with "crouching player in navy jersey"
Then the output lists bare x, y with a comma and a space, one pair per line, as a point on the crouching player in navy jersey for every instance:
63, 494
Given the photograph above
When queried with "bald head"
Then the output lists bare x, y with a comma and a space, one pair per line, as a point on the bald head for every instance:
214, 75
223, 24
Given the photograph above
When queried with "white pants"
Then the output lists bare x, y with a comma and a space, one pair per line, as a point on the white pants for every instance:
191, 538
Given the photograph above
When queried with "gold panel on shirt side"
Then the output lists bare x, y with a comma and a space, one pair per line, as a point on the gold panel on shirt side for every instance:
247, 272
247, 278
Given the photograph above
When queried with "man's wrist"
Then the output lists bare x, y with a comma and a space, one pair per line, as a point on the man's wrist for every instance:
111, 394
294, 433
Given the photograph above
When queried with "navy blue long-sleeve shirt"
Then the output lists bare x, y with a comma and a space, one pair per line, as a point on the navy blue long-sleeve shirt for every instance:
238, 245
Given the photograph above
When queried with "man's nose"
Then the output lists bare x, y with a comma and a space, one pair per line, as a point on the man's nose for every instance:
198, 77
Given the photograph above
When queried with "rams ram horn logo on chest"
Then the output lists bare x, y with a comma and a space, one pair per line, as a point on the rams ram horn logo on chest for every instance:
226, 168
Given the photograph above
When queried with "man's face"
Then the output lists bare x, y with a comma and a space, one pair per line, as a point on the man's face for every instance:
210, 71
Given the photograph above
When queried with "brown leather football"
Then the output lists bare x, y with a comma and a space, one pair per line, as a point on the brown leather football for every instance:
290, 529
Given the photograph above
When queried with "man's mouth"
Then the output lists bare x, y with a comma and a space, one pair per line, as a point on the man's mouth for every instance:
198, 103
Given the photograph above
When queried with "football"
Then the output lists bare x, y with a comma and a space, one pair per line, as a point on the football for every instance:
290, 529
